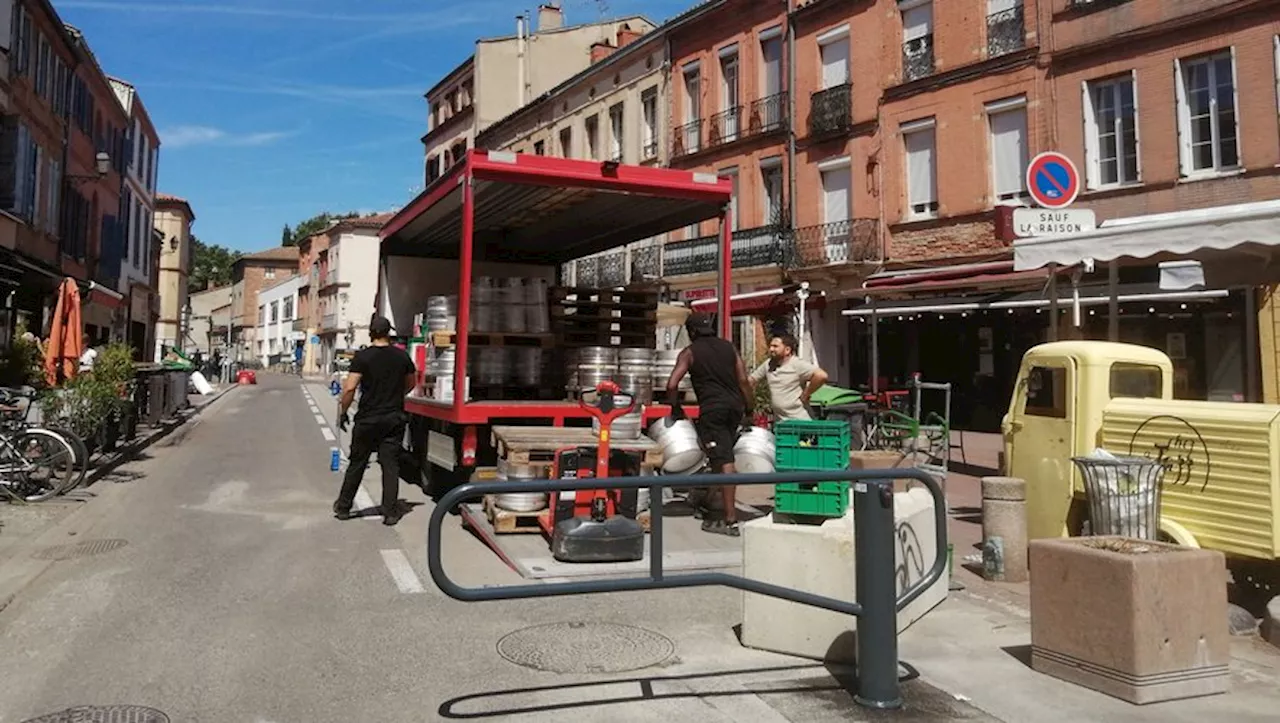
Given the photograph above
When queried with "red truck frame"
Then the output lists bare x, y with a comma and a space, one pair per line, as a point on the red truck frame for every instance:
539, 210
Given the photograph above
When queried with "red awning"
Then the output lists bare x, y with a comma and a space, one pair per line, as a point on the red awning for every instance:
104, 297
772, 302
928, 283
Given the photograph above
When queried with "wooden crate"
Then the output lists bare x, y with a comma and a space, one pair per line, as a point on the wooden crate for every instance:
527, 445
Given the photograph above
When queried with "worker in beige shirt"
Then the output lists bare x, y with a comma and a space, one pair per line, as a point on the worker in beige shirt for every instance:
791, 379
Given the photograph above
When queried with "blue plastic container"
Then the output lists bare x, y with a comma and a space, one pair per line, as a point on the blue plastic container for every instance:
335, 459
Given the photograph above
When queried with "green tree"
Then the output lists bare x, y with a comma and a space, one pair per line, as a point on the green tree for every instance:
315, 225
210, 263
286, 237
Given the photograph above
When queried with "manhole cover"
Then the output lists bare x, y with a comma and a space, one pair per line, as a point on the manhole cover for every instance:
104, 714
585, 648
88, 548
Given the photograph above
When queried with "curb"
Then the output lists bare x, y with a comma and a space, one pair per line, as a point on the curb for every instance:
20, 569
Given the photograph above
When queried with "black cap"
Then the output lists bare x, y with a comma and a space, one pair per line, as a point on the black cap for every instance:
380, 327
700, 324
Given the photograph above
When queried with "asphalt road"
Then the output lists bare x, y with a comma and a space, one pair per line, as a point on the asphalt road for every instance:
232, 594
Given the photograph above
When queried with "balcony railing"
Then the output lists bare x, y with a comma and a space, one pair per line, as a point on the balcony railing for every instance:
1006, 31
726, 126
329, 322
840, 242
686, 139
650, 150
831, 111
768, 114
917, 58
299, 325
751, 248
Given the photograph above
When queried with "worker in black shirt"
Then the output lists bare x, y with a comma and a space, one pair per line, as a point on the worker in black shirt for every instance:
384, 375
724, 397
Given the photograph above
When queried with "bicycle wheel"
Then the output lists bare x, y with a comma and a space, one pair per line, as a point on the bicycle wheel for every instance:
46, 464
81, 454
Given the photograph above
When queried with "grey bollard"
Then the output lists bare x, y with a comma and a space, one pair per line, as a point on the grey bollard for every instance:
1004, 529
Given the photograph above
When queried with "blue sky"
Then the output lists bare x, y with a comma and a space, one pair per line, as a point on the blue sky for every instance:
270, 111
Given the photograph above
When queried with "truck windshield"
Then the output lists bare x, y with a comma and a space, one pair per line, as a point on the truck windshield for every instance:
1141, 381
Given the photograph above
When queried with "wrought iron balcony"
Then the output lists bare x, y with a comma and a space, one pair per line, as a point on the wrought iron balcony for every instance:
1006, 31
751, 248
831, 111
650, 150
917, 58
686, 139
768, 114
726, 127
329, 322
299, 325
840, 242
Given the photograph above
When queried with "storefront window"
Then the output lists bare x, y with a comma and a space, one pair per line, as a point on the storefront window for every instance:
1047, 392
1136, 381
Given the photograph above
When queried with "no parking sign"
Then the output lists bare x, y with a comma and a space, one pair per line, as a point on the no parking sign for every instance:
1052, 180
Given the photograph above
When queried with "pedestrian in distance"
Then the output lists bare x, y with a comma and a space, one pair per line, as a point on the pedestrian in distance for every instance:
384, 375
792, 380
724, 400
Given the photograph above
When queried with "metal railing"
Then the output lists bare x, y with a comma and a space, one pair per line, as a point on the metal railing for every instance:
839, 242
650, 149
877, 601
725, 126
768, 114
329, 321
751, 248
831, 111
1006, 31
686, 139
917, 58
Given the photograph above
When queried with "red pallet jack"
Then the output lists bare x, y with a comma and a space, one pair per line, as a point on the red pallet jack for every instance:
597, 525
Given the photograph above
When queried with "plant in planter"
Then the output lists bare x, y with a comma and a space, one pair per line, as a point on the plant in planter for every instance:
22, 363
93, 404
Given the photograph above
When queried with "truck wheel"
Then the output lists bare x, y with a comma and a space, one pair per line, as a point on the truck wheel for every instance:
1176, 534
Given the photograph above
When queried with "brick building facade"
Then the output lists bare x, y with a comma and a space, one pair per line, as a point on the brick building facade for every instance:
249, 275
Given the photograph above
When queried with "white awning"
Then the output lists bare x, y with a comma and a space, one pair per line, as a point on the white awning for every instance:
1237, 245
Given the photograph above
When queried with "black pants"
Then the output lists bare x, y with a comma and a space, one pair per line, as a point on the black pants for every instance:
384, 435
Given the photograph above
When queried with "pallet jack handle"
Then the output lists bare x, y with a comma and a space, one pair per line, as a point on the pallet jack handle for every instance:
606, 409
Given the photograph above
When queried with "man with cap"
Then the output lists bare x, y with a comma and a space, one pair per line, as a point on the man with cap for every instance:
724, 398
384, 375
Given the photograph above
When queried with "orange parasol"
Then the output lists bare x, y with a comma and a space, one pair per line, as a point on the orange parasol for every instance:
62, 354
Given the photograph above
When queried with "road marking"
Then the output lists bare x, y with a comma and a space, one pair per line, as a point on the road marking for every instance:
328, 434
320, 420
365, 502
314, 409
402, 572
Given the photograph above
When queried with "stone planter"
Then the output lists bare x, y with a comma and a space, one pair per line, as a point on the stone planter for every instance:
1141, 621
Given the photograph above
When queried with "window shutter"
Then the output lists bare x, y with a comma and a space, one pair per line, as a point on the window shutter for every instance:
922, 186
1000, 6
1184, 120
1092, 172
1009, 150
835, 63
9, 158
836, 186
917, 22
772, 51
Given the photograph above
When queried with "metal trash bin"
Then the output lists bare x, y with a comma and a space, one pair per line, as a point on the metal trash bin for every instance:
1123, 494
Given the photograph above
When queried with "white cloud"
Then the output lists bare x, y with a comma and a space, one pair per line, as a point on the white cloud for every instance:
195, 135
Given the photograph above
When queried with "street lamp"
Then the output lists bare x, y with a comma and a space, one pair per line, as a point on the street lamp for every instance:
101, 167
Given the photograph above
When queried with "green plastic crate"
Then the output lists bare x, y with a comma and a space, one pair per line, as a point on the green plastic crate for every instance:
811, 499
811, 445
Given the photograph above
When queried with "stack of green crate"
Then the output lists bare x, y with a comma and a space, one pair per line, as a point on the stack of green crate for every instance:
803, 445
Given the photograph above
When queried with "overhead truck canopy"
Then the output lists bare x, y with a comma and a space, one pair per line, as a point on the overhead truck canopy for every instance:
545, 210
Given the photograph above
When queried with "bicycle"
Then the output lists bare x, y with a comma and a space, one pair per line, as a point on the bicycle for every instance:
36, 463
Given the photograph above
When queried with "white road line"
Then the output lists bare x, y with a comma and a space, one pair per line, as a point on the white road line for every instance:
402, 572
328, 434
365, 502
314, 409
320, 420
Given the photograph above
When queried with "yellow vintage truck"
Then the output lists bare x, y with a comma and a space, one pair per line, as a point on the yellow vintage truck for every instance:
1221, 487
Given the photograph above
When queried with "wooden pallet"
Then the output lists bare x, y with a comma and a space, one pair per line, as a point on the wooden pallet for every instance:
520, 445
598, 314
506, 522
448, 339
605, 325
603, 297
570, 339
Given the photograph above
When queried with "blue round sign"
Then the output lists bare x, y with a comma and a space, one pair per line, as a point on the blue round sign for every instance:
1052, 180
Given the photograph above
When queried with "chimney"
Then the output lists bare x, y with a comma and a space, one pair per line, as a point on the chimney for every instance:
600, 51
550, 17
626, 36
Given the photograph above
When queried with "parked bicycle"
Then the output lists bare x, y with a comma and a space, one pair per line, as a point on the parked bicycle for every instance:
36, 463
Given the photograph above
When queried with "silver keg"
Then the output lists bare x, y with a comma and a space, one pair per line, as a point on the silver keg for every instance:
442, 313
519, 501
594, 364
664, 362
526, 366
625, 427
442, 364
489, 365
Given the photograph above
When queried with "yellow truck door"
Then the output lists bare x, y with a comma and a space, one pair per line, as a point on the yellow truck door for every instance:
1040, 429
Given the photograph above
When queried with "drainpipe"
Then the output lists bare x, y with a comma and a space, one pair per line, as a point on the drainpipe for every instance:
791, 113
520, 59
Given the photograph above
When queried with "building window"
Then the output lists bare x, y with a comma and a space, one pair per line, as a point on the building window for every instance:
771, 66
1008, 128
275, 312
922, 174
539, 148
615, 133
287, 315
262, 315
732, 175
566, 143
1208, 138
917, 39
592, 128
1111, 132
730, 100
1046, 392
1006, 30
649, 121
833, 50
270, 273
771, 182
692, 109
837, 197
